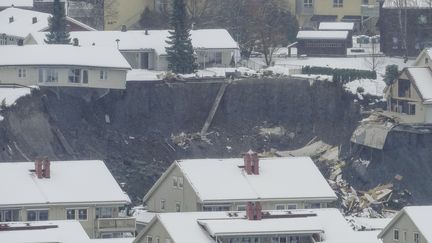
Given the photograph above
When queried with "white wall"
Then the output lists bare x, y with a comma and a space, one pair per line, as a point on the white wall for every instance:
116, 79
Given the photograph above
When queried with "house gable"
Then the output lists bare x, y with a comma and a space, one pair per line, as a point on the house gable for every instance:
155, 229
404, 225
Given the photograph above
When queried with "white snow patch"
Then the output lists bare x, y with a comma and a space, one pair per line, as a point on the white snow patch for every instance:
11, 95
372, 87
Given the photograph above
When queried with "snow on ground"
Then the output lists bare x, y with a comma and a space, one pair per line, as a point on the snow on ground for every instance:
142, 75
11, 95
372, 87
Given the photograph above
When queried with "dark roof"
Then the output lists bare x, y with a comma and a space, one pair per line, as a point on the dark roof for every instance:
324, 18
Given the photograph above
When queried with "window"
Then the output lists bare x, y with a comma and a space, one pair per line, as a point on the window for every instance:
308, 3
312, 205
426, 60
337, 3
85, 76
416, 237
78, 214
22, 73
157, 239
104, 212
9, 215
149, 239
241, 208
292, 206
217, 208
74, 75
37, 215
180, 182
51, 75
175, 182
103, 75
405, 236
395, 234
178, 206
162, 205
280, 207
404, 88
412, 109
218, 57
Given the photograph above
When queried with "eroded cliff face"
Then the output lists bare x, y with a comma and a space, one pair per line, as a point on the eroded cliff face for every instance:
141, 130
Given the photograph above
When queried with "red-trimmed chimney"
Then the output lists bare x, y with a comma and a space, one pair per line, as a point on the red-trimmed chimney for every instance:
248, 162
258, 211
38, 168
46, 168
255, 164
250, 211
254, 211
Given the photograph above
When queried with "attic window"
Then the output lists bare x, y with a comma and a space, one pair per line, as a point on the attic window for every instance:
395, 234
426, 60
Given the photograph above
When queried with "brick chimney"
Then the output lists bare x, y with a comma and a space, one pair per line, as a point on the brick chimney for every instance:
38, 168
254, 211
255, 164
248, 162
46, 168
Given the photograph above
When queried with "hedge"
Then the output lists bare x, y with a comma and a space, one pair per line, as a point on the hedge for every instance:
343, 75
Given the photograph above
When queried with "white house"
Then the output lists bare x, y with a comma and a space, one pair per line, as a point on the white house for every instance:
64, 190
63, 66
411, 224
294, 226
424, 59
229, 184
28, 4
16, 24
146, 49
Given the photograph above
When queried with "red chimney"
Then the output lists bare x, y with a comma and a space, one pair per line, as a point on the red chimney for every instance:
250, 211
258, 211
38, 168
46, 168
248, 162
255, 164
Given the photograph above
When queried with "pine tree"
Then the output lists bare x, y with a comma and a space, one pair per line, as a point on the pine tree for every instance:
57, 26
180, 52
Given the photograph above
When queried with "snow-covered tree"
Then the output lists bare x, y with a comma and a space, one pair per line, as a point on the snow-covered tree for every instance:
180, 52
58, 33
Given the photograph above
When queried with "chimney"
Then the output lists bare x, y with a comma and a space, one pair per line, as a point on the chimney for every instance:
255, 164
38, 168
75, 42
46, 164
146, 32
123, 28
254, 211
248, 162
34, 20
11, 19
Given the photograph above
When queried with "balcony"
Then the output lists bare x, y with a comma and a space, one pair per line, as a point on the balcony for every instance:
115, 224
370, 10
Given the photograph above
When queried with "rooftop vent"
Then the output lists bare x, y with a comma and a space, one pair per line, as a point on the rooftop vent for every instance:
34, 20
123, 28
11, 19
146, 32
75, 42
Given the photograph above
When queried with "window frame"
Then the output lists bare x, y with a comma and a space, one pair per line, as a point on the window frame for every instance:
37, 215
162, 205
178, 206
180, 182
14, 214
289, 206
75, 75
418, 237
308, 3
396, 235
338, 3
22, 73
77, 214
103, 74
149, 239
280, 205
174, 182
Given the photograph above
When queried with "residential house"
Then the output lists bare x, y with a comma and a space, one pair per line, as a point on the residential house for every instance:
411, 224
16, 24
293, 226
409, 98
46, 6
64, 190
27, 4
228, 184
424, 59
63, 66
311, 12
405, 27
59, 231
322, 43
146, 49
339, 26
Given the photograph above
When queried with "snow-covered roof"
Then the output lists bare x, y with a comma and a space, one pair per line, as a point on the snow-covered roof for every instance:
154, 40
49, 231
61, 55
407, 4
369, 223
16, 3
201, 226
322, 35
143, 216
86, 181
422, 77
336, 26
279, 178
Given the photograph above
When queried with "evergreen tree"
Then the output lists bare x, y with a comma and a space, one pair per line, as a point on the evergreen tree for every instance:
180, 52
57, 26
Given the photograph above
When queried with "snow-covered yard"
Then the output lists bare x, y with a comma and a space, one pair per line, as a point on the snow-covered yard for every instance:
11, 95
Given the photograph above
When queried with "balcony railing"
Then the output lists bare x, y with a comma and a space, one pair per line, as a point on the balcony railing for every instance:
370, 10
116, 224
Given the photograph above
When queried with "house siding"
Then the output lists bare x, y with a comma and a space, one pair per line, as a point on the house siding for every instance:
404, 223
116, 79
156, 230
